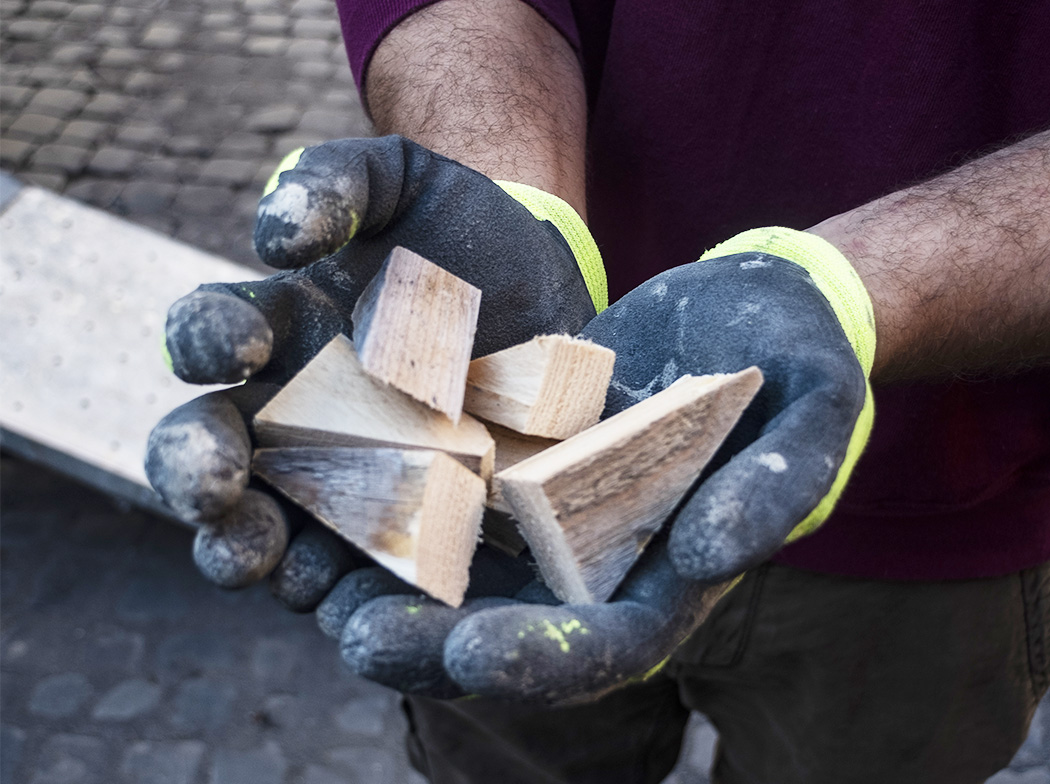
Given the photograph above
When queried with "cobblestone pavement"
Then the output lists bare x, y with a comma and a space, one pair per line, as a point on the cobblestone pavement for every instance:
170, 112
119, 664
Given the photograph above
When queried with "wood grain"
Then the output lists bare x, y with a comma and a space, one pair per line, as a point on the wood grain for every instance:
414, 329
333, 401
589, 505
416, 512
553, 386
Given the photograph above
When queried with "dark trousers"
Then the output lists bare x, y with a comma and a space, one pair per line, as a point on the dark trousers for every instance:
808, 678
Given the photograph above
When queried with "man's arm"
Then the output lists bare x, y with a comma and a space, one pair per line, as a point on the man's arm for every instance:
490, 84
958, 268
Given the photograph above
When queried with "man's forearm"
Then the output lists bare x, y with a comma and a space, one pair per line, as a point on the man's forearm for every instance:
958, 268
489, 83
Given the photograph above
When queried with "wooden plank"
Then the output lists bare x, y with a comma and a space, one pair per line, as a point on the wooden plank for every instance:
553, 386
333, 401
416, 512
414, 329
588, 505
83, 301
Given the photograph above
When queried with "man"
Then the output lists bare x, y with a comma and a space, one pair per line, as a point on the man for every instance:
905, 639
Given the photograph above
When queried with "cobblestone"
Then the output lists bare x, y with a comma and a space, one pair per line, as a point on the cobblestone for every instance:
108, 107
30, 29
127, 700
234, 173
88, 131
162, 35
14, 153
12, 740
202, 705
156, 762
258, 766
36, 128
57, 102
61, 157
57, 696
114, 162
71, 759
148, 198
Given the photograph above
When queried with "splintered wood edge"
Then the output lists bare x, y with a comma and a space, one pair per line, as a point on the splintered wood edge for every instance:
449, 530
552, 386
447, 330
523, 485
547, 541
293, 417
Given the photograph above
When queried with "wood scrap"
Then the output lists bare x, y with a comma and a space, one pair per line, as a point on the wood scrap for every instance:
588, 505
333, 401
414, 329
553, 386
416, 512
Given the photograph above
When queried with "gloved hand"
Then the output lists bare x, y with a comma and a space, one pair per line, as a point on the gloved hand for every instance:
785, 301
333, 215
790, 303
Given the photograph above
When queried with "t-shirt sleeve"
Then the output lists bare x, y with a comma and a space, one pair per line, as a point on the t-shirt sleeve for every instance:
365, 22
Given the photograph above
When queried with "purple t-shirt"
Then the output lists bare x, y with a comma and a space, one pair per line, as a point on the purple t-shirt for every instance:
710, 118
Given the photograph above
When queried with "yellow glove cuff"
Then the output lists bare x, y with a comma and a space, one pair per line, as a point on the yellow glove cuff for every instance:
840, 284
546, 206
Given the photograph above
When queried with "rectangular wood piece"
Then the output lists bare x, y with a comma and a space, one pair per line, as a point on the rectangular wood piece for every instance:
414, 329
588, 505
553, 386
416, 512
333, 401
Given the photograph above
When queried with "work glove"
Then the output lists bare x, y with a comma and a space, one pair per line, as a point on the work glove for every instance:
783, 300
330, 218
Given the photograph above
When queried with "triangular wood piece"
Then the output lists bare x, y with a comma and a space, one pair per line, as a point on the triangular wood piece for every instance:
416, 512
589, 505
553, 386
414, 329
334, 402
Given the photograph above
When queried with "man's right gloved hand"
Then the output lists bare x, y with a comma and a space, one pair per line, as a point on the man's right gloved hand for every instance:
330, 220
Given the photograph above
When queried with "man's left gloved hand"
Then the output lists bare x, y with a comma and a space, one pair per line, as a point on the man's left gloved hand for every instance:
783, 300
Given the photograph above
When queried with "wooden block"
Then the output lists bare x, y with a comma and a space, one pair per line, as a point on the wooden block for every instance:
416, 512
589, 505
414, 329
334, 402
553, 386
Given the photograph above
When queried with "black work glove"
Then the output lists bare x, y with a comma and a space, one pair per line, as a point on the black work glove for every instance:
779, 472
332, 219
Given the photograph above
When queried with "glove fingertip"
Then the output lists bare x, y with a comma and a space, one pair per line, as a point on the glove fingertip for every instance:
245, 546
215, 338
352, 592
397, 641
198, 457
313, 563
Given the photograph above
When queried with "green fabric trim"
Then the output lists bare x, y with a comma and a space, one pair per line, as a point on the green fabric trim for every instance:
288, 162
546, 206
166, 354
840, 284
